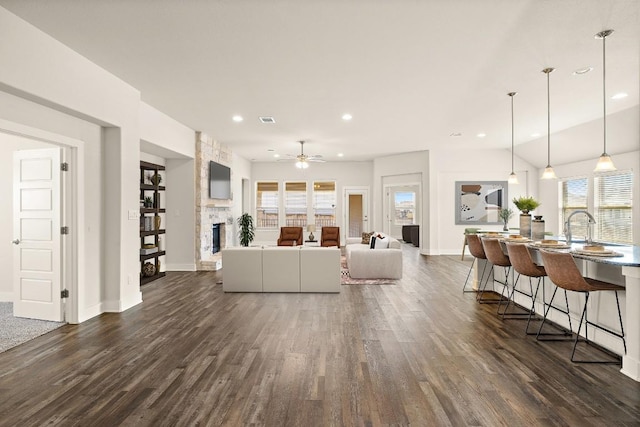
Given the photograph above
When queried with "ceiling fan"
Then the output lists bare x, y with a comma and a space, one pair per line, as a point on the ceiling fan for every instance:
302, 160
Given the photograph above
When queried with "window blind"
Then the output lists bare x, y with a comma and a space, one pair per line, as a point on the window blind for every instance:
295, 204
575, 197
613, 207
267, 205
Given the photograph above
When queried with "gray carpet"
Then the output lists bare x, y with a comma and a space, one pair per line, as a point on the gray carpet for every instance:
16, 330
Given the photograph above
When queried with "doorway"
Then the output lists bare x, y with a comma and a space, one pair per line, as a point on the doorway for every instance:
401, 207
64, 254
356, 211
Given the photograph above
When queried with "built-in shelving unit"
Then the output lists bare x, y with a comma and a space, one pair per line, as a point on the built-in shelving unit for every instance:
150, 234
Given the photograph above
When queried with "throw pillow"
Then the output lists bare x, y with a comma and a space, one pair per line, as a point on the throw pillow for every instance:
381, 242
366, 238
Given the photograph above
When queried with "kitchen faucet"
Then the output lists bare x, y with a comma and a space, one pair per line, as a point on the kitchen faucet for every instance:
567, 226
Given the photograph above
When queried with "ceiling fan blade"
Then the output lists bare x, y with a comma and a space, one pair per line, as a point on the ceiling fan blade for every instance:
316, 160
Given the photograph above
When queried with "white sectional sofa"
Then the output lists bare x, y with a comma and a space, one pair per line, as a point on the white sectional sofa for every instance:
366, 263
281, 269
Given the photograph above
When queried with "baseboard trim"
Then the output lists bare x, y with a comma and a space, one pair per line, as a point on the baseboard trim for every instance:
90, 312
181, 267
6, 296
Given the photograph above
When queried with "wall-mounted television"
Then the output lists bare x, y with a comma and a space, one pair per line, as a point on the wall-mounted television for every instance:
219, 181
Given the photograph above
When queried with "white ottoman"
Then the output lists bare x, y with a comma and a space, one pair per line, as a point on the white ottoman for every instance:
242, 269
320, 269
281, 269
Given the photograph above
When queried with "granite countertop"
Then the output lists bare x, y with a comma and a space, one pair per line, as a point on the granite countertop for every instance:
630, 254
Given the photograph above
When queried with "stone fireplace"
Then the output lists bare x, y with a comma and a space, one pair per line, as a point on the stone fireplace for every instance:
211, 211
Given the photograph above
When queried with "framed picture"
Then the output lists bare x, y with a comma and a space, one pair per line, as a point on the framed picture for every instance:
478, 202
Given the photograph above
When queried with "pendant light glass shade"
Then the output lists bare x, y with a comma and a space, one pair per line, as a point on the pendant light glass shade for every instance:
513, 178
604, 162
548, 171
302, 165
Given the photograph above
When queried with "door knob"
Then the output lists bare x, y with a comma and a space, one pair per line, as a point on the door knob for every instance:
16, 242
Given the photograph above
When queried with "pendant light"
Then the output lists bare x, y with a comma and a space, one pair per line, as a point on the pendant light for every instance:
604, 163
548, 171
513, 178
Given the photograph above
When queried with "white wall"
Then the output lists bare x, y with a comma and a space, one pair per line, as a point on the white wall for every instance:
345, 174
180, 198
172, 137
449, 166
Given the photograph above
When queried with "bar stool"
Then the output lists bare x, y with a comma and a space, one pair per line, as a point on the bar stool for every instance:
523, 264
469, 230
477, 251
495, 255
563, 271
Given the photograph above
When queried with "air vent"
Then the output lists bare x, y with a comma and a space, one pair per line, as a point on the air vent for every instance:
267, 119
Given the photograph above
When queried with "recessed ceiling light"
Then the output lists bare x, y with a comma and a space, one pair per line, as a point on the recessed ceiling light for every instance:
535, 135
481, 135
455, 134
347, 117
276, 155
340, 155
619, 95
580, 71
237, 119
267, 119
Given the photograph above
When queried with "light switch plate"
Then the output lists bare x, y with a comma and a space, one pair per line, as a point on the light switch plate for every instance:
134, 214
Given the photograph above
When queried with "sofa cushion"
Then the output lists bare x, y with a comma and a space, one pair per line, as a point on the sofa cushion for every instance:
366, 237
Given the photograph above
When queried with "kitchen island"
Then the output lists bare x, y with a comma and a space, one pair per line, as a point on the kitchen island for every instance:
624, 270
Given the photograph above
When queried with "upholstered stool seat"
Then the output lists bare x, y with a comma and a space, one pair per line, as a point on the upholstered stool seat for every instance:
495, 255
564, 272
523, 264
477, 251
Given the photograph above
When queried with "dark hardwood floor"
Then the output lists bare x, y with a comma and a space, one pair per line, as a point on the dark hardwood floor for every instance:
417, 353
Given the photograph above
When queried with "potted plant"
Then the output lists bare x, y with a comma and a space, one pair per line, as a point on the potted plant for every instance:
505, 215
148, 202
246, 233
526, 204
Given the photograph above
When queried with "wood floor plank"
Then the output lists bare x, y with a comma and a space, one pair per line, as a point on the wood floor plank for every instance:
419, 352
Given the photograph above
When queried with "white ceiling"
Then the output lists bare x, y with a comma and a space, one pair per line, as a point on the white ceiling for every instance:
410, 72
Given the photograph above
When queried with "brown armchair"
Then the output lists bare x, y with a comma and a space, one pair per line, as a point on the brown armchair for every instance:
290, 236
330, 236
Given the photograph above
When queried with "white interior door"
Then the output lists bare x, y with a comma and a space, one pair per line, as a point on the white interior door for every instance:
356, 211
37, 267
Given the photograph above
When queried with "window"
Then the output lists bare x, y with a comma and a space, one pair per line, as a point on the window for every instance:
610, 201
267, 205
405, 207
612, 207
295, 204
574, 193
324, 203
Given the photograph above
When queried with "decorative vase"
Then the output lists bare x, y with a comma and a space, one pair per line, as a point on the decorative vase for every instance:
148, 269
156, 222
525, 225
537, 228
160, 244
506, 227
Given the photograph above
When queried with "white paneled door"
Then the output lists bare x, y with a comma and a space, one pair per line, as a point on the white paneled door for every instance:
37, 266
